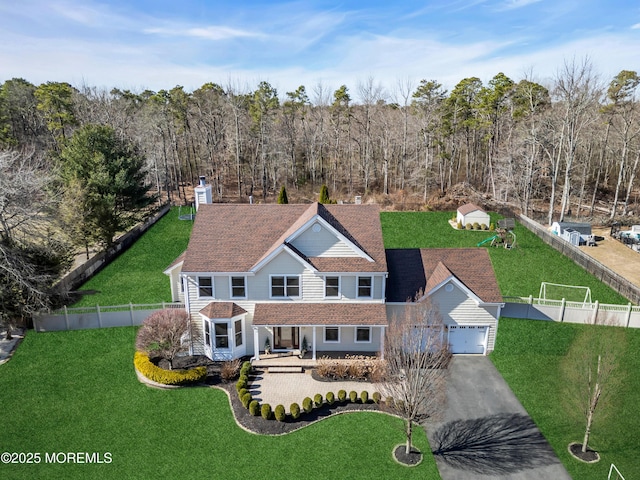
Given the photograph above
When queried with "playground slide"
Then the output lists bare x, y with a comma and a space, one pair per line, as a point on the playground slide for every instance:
487, 240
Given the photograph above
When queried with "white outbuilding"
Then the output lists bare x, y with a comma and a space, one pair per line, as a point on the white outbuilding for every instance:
471, 213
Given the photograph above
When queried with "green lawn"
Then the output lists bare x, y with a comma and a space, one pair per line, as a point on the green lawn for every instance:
77, 392
136, 275
528, 355
519, 271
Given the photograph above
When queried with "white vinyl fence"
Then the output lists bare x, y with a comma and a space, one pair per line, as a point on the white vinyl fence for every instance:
572, 312
97, 317
515, 307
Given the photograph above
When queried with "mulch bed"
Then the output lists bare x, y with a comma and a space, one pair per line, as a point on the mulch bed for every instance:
590, 456
414, 457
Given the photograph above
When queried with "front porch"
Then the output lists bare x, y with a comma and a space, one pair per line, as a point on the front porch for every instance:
293, 359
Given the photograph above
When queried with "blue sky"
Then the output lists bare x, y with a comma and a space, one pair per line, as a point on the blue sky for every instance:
157, 44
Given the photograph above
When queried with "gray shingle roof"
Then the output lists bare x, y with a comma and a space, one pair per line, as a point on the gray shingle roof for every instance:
235, 237
290, 313
222, 310
412, 270
468, 208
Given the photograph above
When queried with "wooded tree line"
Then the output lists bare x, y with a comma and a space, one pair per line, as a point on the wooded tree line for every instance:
565, 145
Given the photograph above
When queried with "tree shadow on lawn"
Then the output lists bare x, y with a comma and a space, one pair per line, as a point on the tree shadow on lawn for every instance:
497, 444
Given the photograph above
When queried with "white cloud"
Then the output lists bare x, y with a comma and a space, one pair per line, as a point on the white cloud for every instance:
513, 4
216, 32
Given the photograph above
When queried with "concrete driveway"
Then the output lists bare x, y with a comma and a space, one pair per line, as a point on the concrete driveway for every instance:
485, 432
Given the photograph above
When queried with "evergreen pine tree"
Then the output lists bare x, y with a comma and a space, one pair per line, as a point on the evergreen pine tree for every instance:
282, 196
324, 195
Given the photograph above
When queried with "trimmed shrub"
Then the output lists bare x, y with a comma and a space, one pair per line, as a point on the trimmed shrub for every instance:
492, 227
330, 398
342, 395
254, 408
243, 382
317, 400
242, 392
376, 397
459, 225
295, 410
364, 396
167, 377
469, 226
279, 413
353, 396
484, 226
265, 411
307, 404
246, 369
476, 226
246, 400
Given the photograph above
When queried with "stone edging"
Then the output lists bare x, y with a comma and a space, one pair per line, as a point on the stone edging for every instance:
578, 458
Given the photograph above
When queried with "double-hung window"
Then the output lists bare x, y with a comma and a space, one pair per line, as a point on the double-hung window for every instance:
238, 287
205, 286
238, 328
222, 336
365, 287
285, 286
331, 287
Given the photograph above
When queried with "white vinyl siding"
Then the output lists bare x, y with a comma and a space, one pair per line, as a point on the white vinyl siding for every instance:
457, 308
322, 243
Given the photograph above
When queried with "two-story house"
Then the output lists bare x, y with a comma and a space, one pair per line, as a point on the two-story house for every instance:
283, 275
318, 276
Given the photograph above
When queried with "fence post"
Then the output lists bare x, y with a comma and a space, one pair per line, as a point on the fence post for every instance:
66, 317
99, 318
131, 312
596, 306
562, 307
530, 299
629, 314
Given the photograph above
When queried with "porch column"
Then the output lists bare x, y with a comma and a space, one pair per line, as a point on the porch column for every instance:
256, 344
382, 343
313, 350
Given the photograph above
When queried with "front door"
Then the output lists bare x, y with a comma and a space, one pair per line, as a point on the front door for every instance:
285, 338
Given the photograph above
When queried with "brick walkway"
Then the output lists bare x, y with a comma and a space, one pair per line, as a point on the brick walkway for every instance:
287, 388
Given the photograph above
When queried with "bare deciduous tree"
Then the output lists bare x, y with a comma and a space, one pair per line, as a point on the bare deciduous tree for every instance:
161, 333
31, 259
591, 374
416, 355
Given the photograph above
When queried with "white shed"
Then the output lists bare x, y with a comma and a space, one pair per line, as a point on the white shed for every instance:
471, 213
574, 233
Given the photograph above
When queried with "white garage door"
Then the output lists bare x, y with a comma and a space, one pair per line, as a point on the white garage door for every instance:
467, 338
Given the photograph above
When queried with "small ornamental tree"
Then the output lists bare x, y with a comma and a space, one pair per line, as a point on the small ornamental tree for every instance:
592, 377
416, 355
161, 332
282, 196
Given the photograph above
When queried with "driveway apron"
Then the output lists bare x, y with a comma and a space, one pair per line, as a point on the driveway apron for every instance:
485, 433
